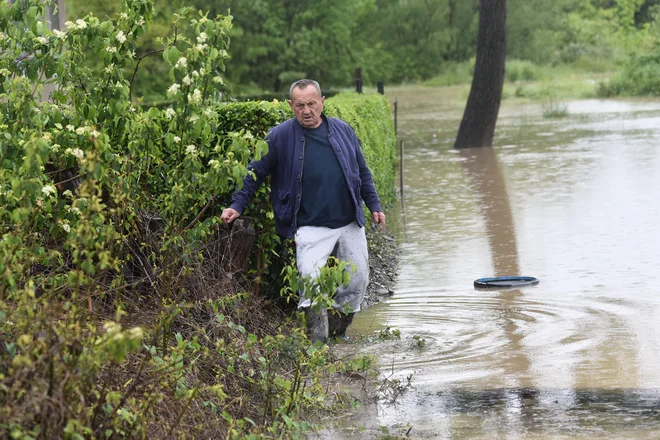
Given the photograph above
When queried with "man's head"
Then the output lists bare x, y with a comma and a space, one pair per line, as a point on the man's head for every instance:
306, 102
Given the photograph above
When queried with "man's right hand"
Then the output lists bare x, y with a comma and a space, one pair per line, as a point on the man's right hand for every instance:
229, 215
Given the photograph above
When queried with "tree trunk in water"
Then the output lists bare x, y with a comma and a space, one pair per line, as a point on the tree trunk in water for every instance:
478, 125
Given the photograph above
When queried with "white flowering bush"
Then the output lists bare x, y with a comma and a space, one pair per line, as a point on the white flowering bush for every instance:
106, 219
104, 207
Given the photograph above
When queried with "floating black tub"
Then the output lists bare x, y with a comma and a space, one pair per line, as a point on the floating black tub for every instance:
506, 282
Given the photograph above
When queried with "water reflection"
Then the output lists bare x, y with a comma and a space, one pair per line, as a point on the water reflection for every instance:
572, 202
485, 175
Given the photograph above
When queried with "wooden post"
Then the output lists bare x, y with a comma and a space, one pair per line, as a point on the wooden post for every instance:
358, 80
396, 110
381, 87
401, 175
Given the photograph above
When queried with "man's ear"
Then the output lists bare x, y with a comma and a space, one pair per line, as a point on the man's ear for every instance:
290, 103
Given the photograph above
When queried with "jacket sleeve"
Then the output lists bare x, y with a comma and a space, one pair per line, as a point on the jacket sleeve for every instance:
367, 188
257, 172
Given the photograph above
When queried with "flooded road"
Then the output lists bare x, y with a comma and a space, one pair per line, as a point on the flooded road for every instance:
571, 201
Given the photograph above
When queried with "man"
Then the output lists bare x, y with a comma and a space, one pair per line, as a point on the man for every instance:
319, 179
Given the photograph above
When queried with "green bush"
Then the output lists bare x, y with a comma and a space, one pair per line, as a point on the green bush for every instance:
116, 316
453, 74
640, 77
517, 70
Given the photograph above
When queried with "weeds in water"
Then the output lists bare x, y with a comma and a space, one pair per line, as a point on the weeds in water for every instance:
417, 341
389, 333
553, 109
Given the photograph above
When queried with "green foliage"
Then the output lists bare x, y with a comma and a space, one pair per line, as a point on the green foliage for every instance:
554, 109
117, 318
517, 70
640, 77
453, 74
276, 43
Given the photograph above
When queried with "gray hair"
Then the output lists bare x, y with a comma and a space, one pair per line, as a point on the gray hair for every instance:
303, 83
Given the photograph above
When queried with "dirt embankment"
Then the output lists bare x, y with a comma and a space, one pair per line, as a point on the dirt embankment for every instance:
383, 262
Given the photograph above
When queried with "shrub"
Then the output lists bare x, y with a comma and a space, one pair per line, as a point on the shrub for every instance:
640, 77
117, 317
517, 70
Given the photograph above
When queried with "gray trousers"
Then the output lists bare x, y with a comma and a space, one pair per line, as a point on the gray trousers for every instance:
314, 244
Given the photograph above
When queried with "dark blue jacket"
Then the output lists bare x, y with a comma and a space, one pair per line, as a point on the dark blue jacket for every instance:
284, 162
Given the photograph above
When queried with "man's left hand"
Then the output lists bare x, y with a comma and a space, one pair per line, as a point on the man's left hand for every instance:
379, 220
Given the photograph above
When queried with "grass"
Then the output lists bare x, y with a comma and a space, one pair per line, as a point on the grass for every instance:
554, 109
528, 82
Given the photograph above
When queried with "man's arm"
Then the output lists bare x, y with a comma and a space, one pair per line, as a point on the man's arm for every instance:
368, 188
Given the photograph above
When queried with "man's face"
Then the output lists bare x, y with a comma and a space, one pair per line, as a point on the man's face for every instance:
307, 105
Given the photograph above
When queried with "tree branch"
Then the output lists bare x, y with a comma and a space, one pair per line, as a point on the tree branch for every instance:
130, 89
201, 213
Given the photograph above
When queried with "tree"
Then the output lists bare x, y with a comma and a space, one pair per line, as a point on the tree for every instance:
478, 125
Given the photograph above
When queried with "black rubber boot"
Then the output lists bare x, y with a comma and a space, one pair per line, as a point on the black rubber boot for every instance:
317, 324
338, 324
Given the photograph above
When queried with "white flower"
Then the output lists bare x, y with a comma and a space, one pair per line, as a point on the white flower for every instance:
186, 80
59, 34
141, 21
214, 163
78, 25
73, 210
55, 148
176, 139
209, 113
192, 119
5, 72
170, 113
190, 149
77, 152
181, 63
121, 37
217, 79
111, 49
124, 15
42, 40
196, 97
109, 68
58, 125
195, 73
70, 127
95, 133
48, 190
47, 136
66, 227
82, 130
174, 89
201, 47
202, 71
202, 37
67, 193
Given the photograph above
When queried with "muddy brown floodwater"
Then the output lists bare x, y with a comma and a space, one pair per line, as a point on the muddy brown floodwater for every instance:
574, 202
